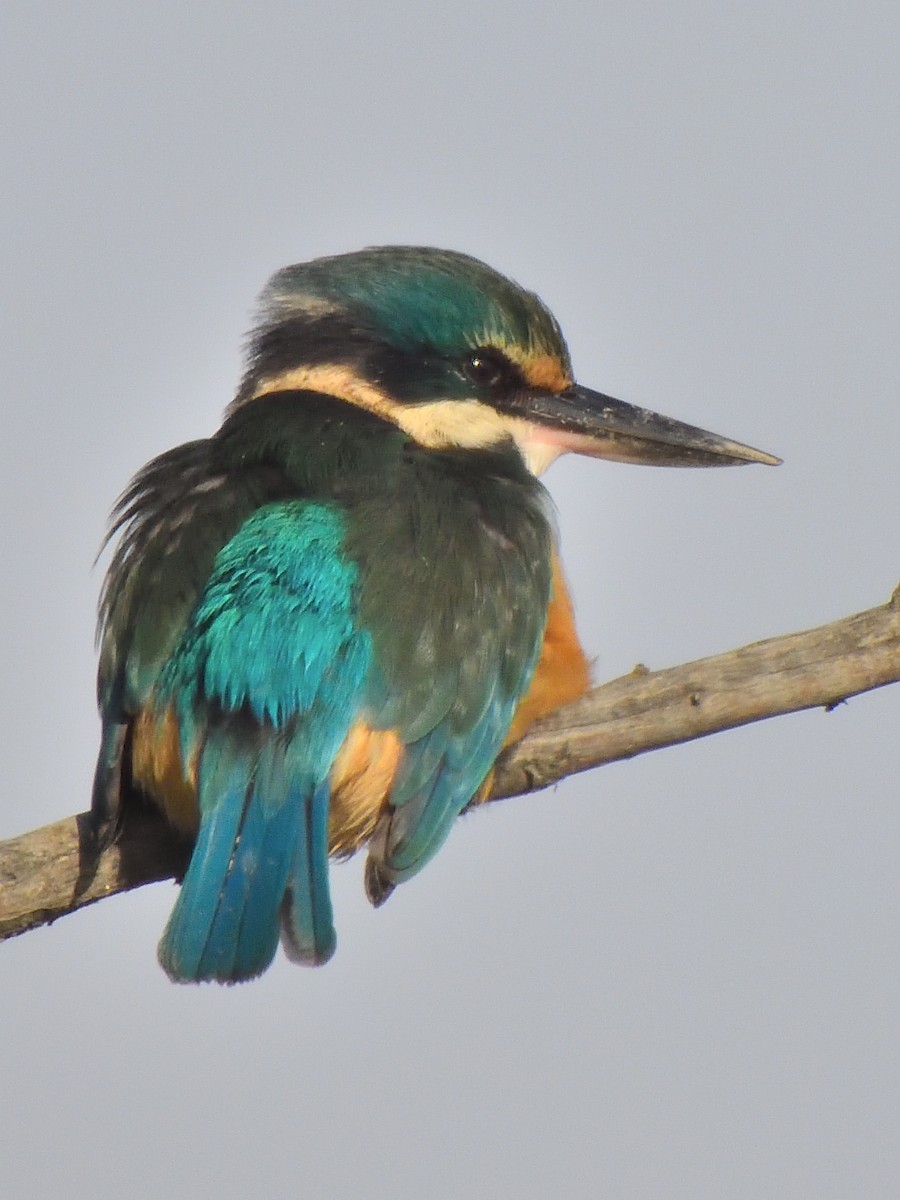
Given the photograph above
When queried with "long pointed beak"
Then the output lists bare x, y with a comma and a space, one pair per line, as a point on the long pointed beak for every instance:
588, 422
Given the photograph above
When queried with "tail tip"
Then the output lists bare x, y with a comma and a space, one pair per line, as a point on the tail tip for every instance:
379, 886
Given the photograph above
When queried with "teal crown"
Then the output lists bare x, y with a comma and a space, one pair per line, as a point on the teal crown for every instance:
415, 297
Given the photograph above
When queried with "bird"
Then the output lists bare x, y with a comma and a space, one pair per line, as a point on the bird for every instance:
321, 625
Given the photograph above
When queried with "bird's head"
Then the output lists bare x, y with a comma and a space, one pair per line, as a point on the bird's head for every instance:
456, 355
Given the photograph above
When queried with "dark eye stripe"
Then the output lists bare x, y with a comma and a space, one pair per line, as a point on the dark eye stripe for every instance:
488, 368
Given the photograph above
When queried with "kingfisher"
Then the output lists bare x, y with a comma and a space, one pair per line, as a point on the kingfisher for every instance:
321, 625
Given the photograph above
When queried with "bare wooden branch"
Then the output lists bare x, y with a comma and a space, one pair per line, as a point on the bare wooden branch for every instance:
648, 710
58, 869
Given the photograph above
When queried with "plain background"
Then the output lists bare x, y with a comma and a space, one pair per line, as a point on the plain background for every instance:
675, 977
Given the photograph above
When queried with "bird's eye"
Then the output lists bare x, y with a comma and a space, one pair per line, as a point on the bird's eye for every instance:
487, 368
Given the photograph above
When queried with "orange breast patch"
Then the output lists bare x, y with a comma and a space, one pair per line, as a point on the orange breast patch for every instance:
563, 671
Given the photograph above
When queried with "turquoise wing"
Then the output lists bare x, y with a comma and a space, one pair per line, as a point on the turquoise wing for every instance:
440, 774
266, 682
456, 597
175, 517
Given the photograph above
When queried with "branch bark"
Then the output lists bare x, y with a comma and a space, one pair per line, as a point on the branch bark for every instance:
58, 869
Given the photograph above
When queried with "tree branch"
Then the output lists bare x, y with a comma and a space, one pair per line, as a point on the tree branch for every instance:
60, 868
647, 710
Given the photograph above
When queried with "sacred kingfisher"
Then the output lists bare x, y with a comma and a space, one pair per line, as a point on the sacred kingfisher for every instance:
321, 625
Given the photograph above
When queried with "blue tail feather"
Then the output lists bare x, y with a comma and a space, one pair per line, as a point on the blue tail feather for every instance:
183, 943
280, 828
255, 828
243, 937
307, 927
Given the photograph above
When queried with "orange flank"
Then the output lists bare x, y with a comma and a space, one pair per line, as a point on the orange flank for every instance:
360, 781
367, 763
157, 769
562, 673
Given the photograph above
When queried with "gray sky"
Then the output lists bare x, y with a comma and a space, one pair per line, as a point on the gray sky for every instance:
676, 977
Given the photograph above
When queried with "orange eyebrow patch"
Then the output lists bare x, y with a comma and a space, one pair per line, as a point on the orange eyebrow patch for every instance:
540, 370
546, 371
360, 781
